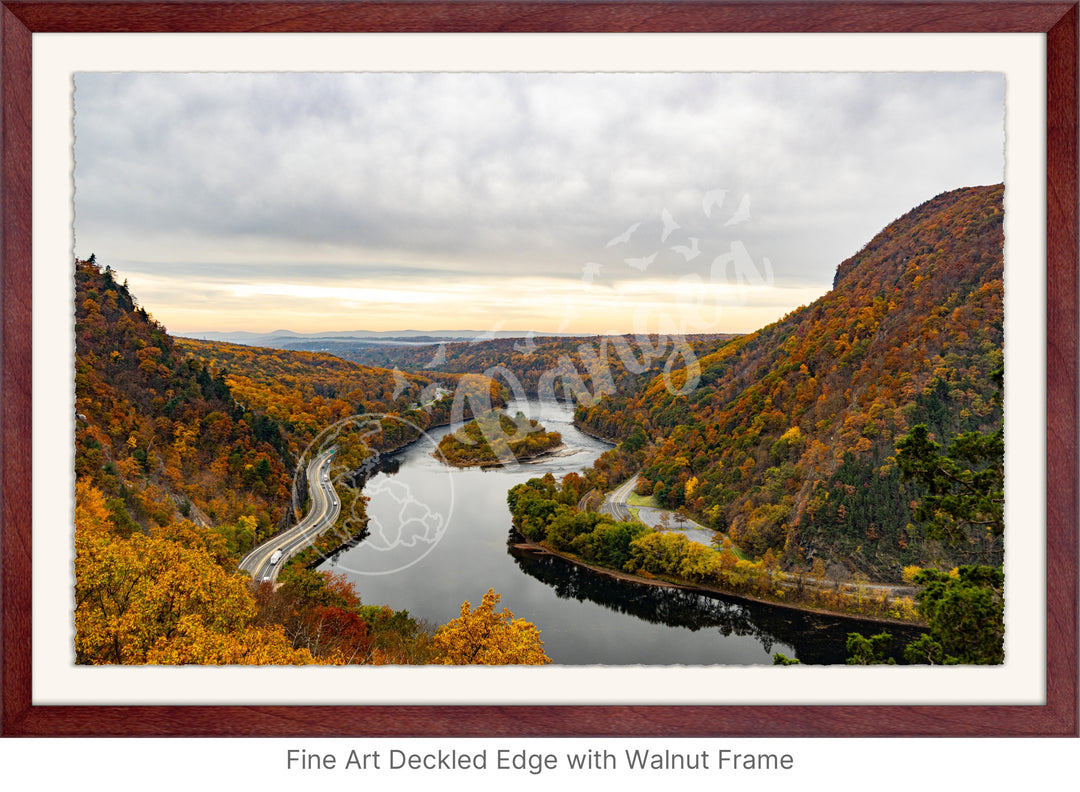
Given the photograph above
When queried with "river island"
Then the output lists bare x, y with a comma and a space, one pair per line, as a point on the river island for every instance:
494, 438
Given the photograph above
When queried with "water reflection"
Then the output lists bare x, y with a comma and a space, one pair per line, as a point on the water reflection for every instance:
584, 618
816, 639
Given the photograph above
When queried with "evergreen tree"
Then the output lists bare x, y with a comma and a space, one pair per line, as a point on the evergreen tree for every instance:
964, 608
965, 612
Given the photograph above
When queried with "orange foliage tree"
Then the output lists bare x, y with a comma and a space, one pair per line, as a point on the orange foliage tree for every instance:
484, 637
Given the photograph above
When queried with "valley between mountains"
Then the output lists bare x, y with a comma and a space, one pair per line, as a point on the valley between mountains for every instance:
842, 468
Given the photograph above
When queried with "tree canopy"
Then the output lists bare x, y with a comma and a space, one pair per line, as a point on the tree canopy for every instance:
965, 485
486, 637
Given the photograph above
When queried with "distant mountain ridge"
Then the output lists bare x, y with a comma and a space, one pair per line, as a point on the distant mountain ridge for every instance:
279, 339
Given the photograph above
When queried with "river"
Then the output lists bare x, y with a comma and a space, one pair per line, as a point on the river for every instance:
438, 537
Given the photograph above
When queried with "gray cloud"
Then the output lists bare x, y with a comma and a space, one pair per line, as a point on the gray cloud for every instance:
369, 177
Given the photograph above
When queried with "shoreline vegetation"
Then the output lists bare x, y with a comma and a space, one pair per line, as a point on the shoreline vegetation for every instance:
494, 438
329, 543
588, 430
351, 526
519, 542
546, 516
182, 464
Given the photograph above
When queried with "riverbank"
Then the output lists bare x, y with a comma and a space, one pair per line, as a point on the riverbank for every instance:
519, 542
594, 435
354, 529
460, 522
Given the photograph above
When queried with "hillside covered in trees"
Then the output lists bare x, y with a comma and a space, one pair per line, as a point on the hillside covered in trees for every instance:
577, 368
172, 427
181, 466
789, 441
159, 433
307, 392
803, 443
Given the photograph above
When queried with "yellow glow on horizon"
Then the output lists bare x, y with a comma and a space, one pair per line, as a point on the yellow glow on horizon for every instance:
538, 304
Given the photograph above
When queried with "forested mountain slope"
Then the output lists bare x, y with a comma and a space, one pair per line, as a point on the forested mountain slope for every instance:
171, 428
306, 392
789, 440
159, 433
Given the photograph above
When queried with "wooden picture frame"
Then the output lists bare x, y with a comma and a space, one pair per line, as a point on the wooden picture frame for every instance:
1057, 717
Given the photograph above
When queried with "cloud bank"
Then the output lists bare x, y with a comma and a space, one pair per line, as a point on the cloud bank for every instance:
548, 202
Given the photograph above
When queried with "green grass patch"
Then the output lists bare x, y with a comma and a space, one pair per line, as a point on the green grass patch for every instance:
739, 554
640, 500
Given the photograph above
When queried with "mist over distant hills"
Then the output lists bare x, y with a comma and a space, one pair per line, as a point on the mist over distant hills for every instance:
289, 339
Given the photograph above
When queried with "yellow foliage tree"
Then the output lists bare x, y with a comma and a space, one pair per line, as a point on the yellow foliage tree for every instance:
484, 637
909, 572
194, 643
151, 599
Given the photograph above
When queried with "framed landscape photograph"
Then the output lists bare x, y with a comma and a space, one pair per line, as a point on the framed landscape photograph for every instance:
539, 369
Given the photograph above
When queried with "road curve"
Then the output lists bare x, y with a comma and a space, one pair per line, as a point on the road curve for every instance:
324, 511
615, 502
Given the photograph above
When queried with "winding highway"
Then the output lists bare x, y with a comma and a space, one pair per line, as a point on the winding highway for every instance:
615, 502
264, 562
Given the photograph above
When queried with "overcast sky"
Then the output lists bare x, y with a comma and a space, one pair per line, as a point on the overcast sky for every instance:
546, 202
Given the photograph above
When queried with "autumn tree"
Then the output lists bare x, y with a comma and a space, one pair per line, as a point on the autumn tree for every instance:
496, 438
789, 438
869, 651
965, 612
149, 599
486, 637
965, 485
159, 432
964, 608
